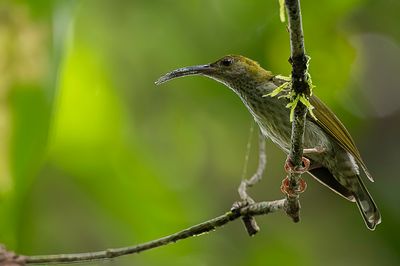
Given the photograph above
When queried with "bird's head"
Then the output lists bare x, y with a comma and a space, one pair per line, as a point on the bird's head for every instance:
235, 71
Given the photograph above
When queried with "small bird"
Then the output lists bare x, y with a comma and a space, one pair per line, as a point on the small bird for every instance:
338, 162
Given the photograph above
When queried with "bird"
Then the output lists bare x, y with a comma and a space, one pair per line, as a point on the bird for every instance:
338, 163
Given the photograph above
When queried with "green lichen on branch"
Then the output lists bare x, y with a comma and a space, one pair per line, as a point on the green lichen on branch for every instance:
282, 10
294, 98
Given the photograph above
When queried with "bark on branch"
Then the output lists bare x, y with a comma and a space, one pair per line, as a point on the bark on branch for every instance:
300, 85
260, 208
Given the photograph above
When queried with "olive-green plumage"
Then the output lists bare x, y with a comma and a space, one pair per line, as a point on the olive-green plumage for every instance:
337, 166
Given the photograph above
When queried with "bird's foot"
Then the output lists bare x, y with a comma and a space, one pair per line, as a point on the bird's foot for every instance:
291, 169
293, 191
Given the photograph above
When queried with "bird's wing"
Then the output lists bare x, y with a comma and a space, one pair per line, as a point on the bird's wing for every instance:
324, 176
332, 125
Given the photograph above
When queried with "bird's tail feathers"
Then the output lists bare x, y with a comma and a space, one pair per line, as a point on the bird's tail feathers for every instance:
367, 206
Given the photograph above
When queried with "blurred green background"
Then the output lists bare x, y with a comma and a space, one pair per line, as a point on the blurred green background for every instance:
93, 155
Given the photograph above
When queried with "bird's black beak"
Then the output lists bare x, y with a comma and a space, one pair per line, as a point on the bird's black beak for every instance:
186, 71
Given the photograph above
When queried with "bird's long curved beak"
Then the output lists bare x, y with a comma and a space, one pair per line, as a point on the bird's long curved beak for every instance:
185, 71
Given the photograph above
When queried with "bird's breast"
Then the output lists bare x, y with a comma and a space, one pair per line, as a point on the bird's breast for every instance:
272, 117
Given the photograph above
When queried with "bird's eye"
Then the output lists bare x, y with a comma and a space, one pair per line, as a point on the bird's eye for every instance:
227, 61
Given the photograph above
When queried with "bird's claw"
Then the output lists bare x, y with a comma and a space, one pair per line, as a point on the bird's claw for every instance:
291, 169
291, 191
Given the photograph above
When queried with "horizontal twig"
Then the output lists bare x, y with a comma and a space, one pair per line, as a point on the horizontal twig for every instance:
259, 208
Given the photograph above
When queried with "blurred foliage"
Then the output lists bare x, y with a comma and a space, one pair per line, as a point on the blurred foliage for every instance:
93, 155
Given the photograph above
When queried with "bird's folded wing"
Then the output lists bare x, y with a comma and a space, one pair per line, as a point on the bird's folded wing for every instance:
332, 125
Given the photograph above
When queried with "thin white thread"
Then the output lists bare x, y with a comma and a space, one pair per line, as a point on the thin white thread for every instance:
248, 148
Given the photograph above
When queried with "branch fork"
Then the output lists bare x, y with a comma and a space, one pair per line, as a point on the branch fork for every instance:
249, 221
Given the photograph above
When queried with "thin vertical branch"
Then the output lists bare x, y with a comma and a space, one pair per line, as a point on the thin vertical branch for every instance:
257, 176
249, 221
300, 86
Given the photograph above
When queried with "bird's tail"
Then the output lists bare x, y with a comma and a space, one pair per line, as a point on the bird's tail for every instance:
367, 206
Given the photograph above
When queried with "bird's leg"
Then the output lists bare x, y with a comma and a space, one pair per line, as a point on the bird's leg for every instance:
316, 150
249, 221
289, 168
